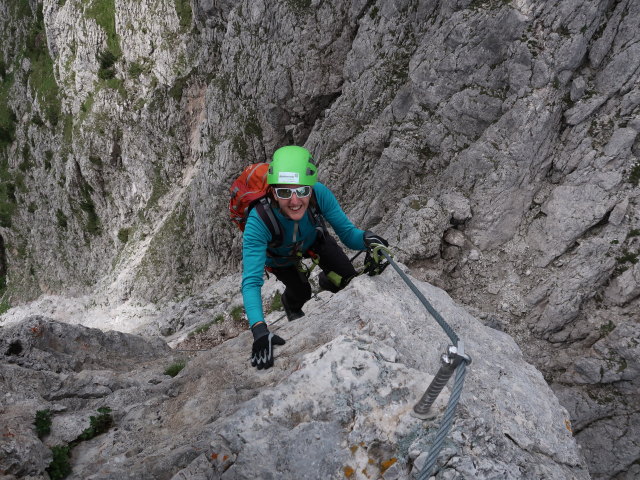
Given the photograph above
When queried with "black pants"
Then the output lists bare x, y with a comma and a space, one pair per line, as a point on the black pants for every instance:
334, 264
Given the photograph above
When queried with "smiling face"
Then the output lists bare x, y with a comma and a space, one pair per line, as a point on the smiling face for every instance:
293, 207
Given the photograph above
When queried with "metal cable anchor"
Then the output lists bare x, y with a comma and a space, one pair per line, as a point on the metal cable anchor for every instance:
449, 361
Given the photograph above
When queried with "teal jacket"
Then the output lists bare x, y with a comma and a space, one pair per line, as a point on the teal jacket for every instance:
256, 238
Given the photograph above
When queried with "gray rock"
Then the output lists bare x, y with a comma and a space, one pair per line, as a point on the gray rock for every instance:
418, 226
625, 287
578, 87
199, 469
457, 205
36, 342
569, 212
516, 109
474, 255
454, 237
342, 390
583, 109
621, 142
619, 211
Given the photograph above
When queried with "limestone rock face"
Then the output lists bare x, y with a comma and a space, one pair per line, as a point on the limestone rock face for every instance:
338, 399
495, 143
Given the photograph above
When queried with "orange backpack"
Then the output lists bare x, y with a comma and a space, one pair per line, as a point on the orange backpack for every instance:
247, 189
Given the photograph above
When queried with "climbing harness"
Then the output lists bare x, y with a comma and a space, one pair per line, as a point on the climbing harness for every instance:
307, 269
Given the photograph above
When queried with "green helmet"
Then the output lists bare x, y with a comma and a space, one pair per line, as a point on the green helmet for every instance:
292, 165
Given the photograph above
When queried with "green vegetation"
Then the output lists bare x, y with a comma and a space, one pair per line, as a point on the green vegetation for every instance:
202, 328
116, 84
634, 232
299, 6
624, 259
628, 256
183, 9
25, 164
42, 78
86, 205
4, 305
97, 425
95, 160
159, 188
43, 422
136, 69
172, 239
175, 368
62, 219
276, 303
205, 328
67, 132
607, 328
7, 116
252, 127
85, 108
36, 120
634, 177
237, 313
104, 13
3, 288
221, 81
7, 194
21, 8
176, 91
395, 68
48, 156
123, 234
107, 60
60, 467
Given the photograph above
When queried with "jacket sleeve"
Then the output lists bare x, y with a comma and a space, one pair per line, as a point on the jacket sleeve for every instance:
351, 236
255, 240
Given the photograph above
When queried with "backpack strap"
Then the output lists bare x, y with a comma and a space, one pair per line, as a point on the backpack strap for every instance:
317, 219
263, 207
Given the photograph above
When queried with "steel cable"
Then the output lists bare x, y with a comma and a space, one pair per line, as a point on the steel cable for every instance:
447, 421
456, 392
434, 313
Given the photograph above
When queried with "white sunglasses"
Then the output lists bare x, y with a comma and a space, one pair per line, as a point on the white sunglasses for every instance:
286, 193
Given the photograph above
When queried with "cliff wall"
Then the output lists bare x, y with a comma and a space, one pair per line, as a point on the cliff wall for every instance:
495, 143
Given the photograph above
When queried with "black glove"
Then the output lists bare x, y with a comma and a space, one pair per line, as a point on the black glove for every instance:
262, 350
371, 239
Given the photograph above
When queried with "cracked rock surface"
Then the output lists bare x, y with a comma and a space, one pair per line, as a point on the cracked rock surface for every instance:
337, 402
494, 143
